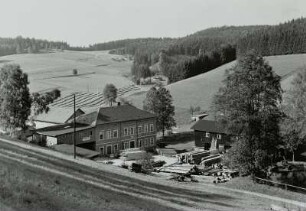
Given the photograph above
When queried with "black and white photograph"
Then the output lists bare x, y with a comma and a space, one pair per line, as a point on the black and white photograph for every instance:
152, 105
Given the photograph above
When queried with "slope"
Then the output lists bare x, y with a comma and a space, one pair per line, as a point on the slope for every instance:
199, 90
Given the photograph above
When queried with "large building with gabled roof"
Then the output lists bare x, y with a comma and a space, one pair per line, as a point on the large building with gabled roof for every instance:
107, 130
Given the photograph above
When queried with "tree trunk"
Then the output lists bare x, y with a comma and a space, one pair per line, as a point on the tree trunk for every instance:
293, 156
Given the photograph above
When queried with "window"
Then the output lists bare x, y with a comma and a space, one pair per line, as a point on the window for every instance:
102, 150
139, 129
146, 128
140, 143
146, 142
109, 134
151, 127
116, 147
207, 135
132, 144
115, 133
132, 130
101, 135
219, 136
90, 133
126, 132
126, 145
152, 141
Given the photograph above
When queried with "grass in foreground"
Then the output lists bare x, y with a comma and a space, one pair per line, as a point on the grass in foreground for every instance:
247, 184
23, 188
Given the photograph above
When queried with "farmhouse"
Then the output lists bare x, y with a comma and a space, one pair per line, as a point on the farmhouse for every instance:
210, 135
107, 130
55, 116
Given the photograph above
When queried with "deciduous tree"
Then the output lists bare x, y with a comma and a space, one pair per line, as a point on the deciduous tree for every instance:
15, 100
248, 105
110, 93
294, 124
159, 101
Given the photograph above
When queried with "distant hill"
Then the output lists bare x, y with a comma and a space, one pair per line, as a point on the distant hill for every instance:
20, 45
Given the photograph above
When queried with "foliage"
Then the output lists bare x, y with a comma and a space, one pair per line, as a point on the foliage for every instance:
26, 45
285, 38
180, 69
294, 124
40, 102
248, 105
15, 100
159, 101
110, 93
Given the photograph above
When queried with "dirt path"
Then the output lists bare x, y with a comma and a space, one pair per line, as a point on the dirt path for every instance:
165, 193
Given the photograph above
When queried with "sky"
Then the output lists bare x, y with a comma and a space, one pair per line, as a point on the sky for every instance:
84, 22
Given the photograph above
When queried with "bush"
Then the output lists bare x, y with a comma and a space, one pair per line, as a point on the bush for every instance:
74, 71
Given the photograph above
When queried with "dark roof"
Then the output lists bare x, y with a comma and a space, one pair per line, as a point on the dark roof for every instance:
208, 126
61, 129
120, 113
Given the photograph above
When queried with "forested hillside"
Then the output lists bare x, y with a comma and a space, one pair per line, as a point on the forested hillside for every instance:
286, 38
19, 44
181, 58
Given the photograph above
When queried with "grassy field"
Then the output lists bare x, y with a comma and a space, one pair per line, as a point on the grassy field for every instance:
199, 90
54, 70
246, 183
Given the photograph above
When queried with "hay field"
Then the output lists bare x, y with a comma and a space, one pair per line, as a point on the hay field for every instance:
199, 90
54, 70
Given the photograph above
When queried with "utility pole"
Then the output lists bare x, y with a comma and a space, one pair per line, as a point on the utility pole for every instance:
74, 125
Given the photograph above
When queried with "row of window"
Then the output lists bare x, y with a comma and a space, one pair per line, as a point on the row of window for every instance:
109, 134
127, 145
126, 131
219, 136
145, 129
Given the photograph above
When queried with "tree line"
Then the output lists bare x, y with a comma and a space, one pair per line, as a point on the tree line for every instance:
285, 38
20, 45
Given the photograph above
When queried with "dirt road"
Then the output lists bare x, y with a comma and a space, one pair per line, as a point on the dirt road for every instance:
132, 190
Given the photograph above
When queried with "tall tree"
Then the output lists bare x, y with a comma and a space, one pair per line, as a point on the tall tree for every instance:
15, 100
110, 93
248, 105
294, 124
159, 101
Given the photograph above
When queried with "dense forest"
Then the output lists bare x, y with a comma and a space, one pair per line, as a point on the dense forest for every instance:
286, 38
28, 45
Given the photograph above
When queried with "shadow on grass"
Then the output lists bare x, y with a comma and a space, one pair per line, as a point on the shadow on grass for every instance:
69, 76
4, 61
